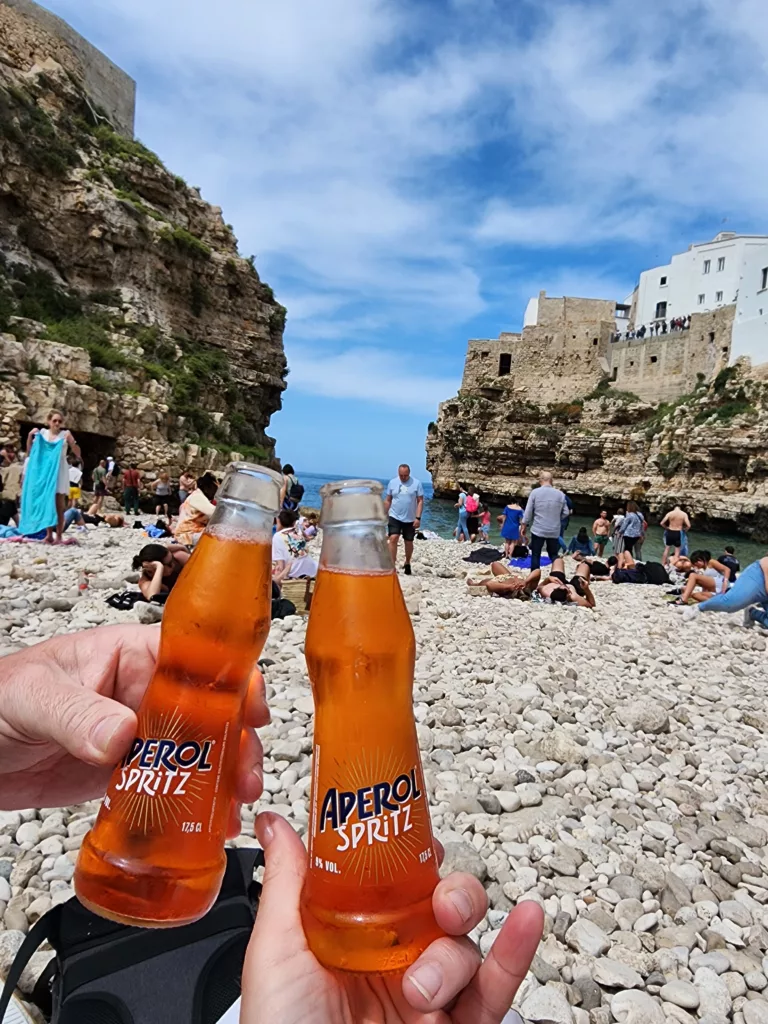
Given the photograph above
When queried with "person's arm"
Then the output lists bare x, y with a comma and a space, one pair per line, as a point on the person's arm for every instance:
687, 523
719, 567
388, 500
419, 504
665, 520
571, 546
198, 501
529, 509
283, 490
73, 445
151, 587
31, 438
588, 601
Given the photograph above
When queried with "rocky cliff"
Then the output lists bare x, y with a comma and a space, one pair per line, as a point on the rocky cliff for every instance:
123, 298
707, 449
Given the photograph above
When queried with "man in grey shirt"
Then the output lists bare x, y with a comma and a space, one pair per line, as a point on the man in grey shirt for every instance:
545, 509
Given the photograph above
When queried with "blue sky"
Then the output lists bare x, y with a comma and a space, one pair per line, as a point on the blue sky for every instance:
409, 173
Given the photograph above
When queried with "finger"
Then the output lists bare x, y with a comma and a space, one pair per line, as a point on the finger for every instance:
234, 824
250, 775
439, 852
489, 995
459, 903
441, 972
87, 725
256, 710
279, 921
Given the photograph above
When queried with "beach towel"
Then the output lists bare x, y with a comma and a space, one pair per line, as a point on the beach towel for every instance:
38, 493
525, 563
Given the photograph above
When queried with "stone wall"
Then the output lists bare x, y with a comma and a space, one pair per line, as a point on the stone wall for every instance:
39, 34
662, 368
563, 356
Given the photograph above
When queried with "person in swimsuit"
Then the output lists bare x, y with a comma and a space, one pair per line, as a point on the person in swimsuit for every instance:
162, 488
674, 523
601, 532
36, 495
160, 566
510, 520
708, 578
555, 589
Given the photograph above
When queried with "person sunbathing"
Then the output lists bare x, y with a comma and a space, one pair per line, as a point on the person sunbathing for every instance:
708, 579
555, 589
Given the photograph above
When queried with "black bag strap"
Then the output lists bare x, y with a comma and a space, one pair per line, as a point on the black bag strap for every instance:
40, 932
238, 879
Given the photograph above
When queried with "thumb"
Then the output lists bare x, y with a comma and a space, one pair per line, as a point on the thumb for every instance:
88, 726
278, 921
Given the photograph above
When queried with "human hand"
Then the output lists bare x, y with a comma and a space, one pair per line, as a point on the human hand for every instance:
283, 981
67, 716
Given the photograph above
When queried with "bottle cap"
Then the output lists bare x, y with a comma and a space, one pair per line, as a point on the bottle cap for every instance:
347, 501
258, 485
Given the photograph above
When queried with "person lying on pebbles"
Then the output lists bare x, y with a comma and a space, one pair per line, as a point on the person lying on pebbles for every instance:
554, 589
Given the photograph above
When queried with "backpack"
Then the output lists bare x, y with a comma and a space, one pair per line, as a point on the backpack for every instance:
108, 973
656, 573
471, 504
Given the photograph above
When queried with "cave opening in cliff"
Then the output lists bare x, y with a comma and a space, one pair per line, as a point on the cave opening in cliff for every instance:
93, 447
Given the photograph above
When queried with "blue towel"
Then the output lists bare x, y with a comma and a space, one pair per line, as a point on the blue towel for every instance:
525, 563
38, 493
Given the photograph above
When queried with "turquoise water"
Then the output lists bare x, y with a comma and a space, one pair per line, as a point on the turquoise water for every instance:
440, 516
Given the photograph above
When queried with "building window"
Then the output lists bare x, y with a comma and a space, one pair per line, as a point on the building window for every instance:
485, 354
654, 359
505, 364
663, 281
764, 278
701, 300
721, 263
661, 310
711, 337
707, 265
718, 296
594, 341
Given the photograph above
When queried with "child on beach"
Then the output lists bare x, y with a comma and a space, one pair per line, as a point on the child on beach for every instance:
485, 523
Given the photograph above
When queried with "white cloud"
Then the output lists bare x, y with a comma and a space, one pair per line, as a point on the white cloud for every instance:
375, 375
382, 163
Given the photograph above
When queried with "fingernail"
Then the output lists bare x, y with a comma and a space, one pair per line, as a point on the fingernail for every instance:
461, 900
266, 830
103, 733
427, 979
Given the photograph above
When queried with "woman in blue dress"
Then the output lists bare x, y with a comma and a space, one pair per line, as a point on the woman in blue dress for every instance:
510, 526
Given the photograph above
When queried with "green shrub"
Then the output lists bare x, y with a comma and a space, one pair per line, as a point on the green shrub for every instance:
40, 297
88, 333
106, 297
27, 125
724, 377
186, 241
725, 412
669, 463
92, 174
111, 142
100, 382
199, 298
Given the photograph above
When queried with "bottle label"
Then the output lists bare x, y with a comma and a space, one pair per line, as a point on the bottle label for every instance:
168, 783
374, 831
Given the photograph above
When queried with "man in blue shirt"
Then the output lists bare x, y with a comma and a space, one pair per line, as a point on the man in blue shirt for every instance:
404, 502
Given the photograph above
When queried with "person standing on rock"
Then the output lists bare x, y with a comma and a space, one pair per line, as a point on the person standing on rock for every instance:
617, 540
462, 530
99, 487
601, 530
674, 524
544, 512
404, 502
510, 521
131, 485
10, 476
187, 484
45, 491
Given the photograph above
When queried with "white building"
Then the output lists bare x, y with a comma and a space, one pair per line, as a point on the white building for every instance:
730, 269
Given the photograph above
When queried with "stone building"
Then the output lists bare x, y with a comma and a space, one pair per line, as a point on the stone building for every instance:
561, 356
570, 349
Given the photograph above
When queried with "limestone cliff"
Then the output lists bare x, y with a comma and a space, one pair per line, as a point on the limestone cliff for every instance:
123, 298
707, 449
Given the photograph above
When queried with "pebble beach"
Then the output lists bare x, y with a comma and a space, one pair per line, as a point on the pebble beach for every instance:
608, 764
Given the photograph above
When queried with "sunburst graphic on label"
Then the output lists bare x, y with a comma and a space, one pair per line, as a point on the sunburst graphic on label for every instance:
388, 861
144, 813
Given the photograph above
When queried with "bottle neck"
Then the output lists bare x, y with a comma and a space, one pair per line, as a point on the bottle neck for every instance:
241, 520
356, 547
